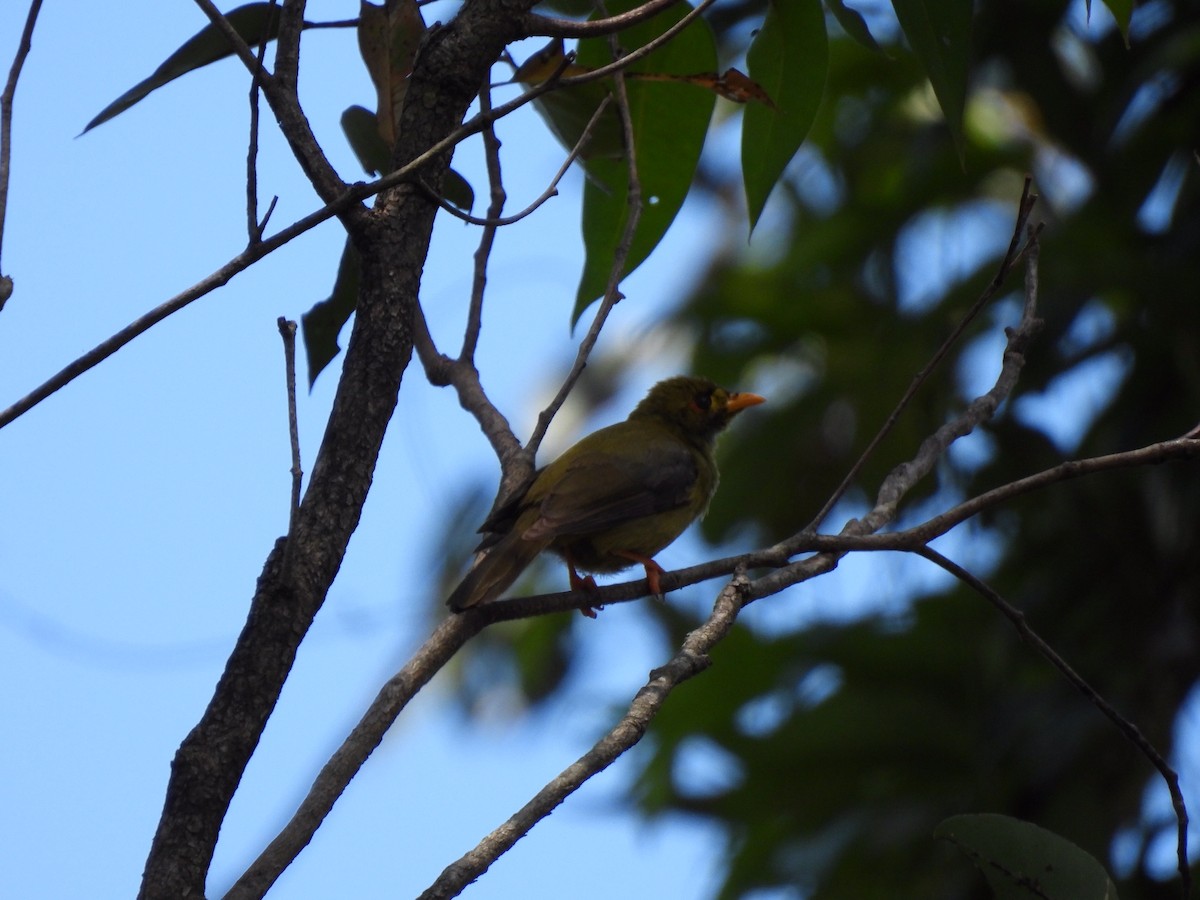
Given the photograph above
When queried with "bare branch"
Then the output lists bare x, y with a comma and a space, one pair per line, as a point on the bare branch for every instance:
6, 111
691, 660
491, 152
550, 26
352, 197
255, 228
437, 650
145, 322
440, 369
1011, 258
612, 293
287, 330
551, 191
280, 91
1126, 727
1152, 454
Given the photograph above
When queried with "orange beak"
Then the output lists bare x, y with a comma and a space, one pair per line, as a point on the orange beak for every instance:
742, 401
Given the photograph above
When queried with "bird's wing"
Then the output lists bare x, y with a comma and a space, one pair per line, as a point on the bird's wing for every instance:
599, 490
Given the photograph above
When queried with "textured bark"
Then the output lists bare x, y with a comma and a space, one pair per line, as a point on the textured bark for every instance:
392, 241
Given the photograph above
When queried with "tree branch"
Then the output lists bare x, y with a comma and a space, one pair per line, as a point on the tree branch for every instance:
537, 25
483, 253
280, 91
254, 227
145, 322
287, 330
393, 241
6, 111
446, 640
691, 660
612, 293
498, 221
1011, 258
1126, 727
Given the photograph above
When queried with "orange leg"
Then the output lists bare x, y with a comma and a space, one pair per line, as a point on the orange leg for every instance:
653, 570
586, 584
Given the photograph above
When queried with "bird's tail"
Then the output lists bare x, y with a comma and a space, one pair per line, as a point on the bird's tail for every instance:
494, 571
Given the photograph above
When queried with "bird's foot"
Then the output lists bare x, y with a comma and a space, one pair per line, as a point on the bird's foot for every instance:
653, 570
586, 584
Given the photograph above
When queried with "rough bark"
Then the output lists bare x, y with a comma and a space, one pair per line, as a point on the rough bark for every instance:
392, 242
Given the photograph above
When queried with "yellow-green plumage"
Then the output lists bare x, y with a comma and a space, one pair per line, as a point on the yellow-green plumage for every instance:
617, 497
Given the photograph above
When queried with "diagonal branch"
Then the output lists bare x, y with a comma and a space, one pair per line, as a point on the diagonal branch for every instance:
612, 293
446, 640
537, 25
393, 240
495, 220
6, 110
1126, 727
1011, 258
280, 91
254, 227
691, 660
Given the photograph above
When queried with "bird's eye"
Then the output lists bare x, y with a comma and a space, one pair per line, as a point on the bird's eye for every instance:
704, 400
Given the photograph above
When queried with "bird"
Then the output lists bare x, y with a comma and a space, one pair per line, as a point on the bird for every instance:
614, 499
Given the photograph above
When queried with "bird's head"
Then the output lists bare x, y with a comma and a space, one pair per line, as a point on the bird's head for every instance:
695, 406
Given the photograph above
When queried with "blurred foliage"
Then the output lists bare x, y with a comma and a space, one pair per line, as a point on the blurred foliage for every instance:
845, 743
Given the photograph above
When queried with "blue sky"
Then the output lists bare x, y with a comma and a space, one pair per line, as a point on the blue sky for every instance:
140, 501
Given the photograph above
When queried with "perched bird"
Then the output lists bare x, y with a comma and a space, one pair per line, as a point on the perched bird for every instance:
616, 498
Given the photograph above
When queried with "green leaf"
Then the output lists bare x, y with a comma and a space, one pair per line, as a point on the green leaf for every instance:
321, 324
362, 132
1021, 860
254, 22
853, 24
1122, 10
789, 58
939, 32
670, 121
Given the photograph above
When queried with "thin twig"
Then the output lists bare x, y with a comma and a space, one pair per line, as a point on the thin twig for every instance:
549, 26
1126, 727
691, 660
1011, 258
280, 90
438, 649
612, 293
255, 228
143, 323
6, 111
487, 238
350, 198
516, 463
551, 190
440, 369
287, 330
628, 59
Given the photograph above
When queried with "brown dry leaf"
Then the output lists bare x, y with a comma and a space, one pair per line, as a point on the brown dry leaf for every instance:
388, 37
732, 85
